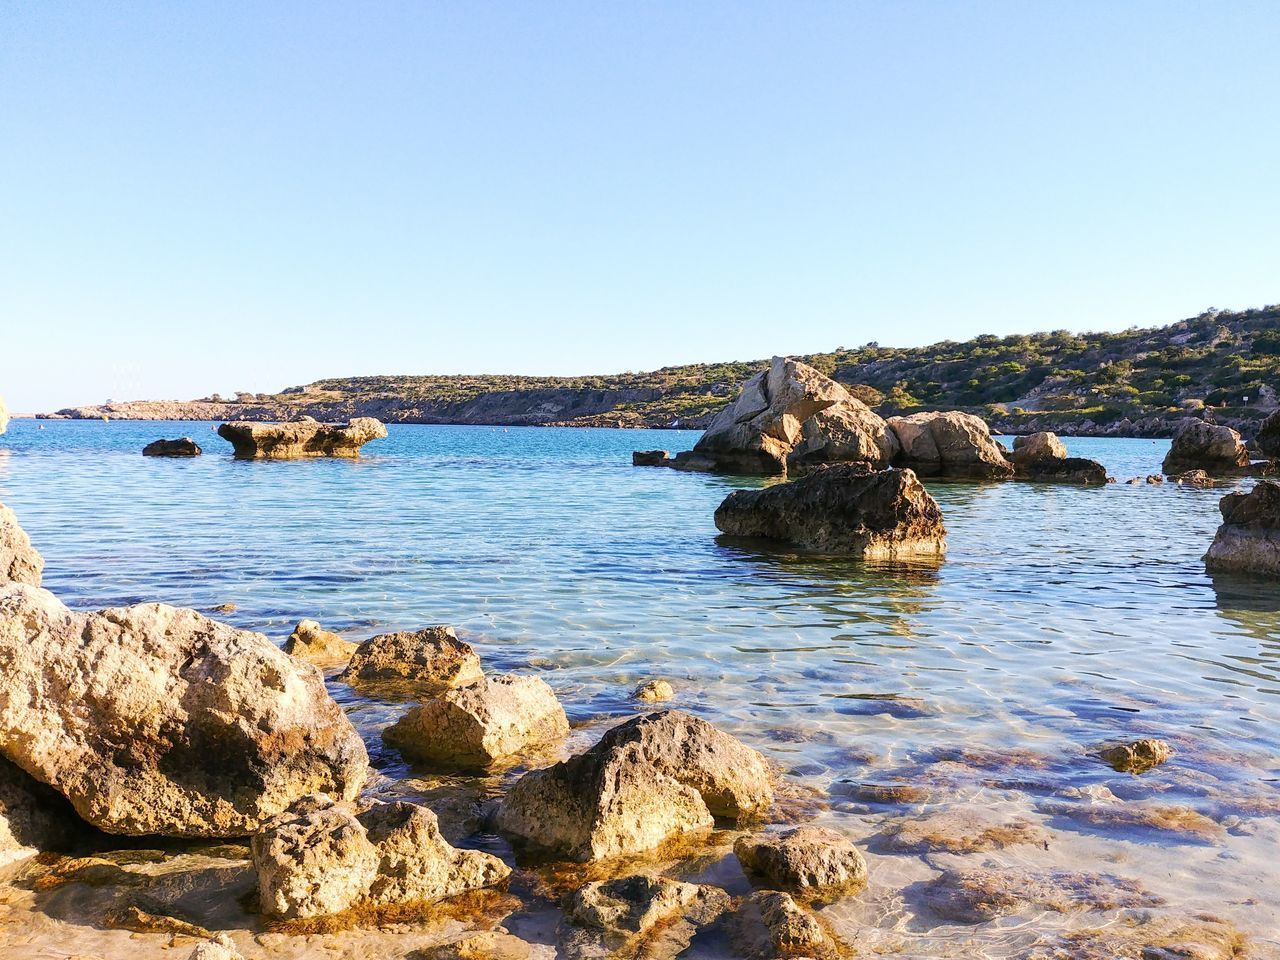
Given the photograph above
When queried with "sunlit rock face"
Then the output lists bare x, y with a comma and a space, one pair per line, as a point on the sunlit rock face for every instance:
300, 438
949, 444
1249, 538
1205, 446
20, 562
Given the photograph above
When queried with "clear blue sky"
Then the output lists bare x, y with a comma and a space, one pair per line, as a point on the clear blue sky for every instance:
221, 196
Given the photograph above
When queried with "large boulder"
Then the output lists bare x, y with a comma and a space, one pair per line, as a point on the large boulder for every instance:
812, 860
157, 720
847, 432
320, 857
951, 444
1038, 446
842, 508
1042, 456
20, 562
183, 447
648, 780
300, 438
490, 720
311, 642
422, 662
1205, 446
1268, 439
757, 432
1249, 538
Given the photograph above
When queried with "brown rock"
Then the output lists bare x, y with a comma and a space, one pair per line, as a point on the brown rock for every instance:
804, 859
301, 438
1138, 756
1268, 439
951, 444
1249, 538
979, 895
1038, 446
423, 662
654, 691
1143, 937
771, 925
311, 642
221, 947
846, 432
844, 508
484, 945
20, 562
185, 447
1205, 446
961, 831
1193, 478
649, 458
624, 917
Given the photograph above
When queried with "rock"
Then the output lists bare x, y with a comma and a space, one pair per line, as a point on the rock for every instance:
186, 447
1268, 439
805, 859
843, 508
1138, 756
157, 720
220, 947
1194, 478
771, 925
19, 560
964, 830
1205, 446
847, 432
1155, 479
758, 431
473, 726
648, 780
426, 661
311, 642
654, 691
33, 817
1067, 470
649, 458
1038, 446
301, 438
320, 858
1147, 937
952, 444
621, 917
484, 945
1249, 538
978, 895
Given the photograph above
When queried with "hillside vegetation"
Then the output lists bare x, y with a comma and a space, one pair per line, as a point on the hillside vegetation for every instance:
1224, 365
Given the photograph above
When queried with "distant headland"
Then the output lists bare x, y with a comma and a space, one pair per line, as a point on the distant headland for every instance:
1220, 365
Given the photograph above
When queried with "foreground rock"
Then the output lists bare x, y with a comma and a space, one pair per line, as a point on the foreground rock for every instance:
33, 817
482, 723
1268, 439
156, 720
320, 858
648, 780
637, 916
311, 642
185, 447
810, 860
950, 444
427, 661
1249, 538
20, 562
772, 925
978, 895
1139, 756
844, 508
301, 438
1205, 446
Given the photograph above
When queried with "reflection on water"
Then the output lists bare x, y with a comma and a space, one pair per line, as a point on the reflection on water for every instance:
1062, 618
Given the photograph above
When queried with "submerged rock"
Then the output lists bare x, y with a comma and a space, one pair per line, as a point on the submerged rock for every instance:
1205, 446
311, 642
185, 447
157, 720
647, 780
1193, 478
966, 830
649, 458
654, 691
20, 562
623, 917
427, 661
950, 444
1249, 538
1145, 937
320, 858
770, 924
805, 860
479, 724
1137, 756
979, 895
485, 945
844, 508
301, 438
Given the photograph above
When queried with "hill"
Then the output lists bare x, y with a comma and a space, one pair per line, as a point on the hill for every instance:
1220, 364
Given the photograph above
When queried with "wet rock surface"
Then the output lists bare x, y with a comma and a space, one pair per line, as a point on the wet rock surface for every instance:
156, 720
484, 722
949, 444
1142, 937
770, 924
184, 447
654, 691
808, 860
20, 562
300, 438
1249, 538
976, 895
649, 458
311, 642
418, 662
1198, 445
1138, 756
638, 915
1065, 470
962, 830
844, 508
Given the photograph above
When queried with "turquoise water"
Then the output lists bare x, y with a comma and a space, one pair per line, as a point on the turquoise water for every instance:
1062, 617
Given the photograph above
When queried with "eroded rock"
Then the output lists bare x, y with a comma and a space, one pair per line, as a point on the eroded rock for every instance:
950, 444
810, 860
490, 720
20, 562
1038, 446
311, 642
1145, 937
843, 508
654, 691
1249, 538
978, 895
647, 780
157, 720
300, 438
1137, 756
221, 947
1211, 447
184, 447
623, 917
770, 924
846, 432
422, 662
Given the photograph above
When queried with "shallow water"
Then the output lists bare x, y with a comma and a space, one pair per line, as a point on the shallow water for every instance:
1061, 618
